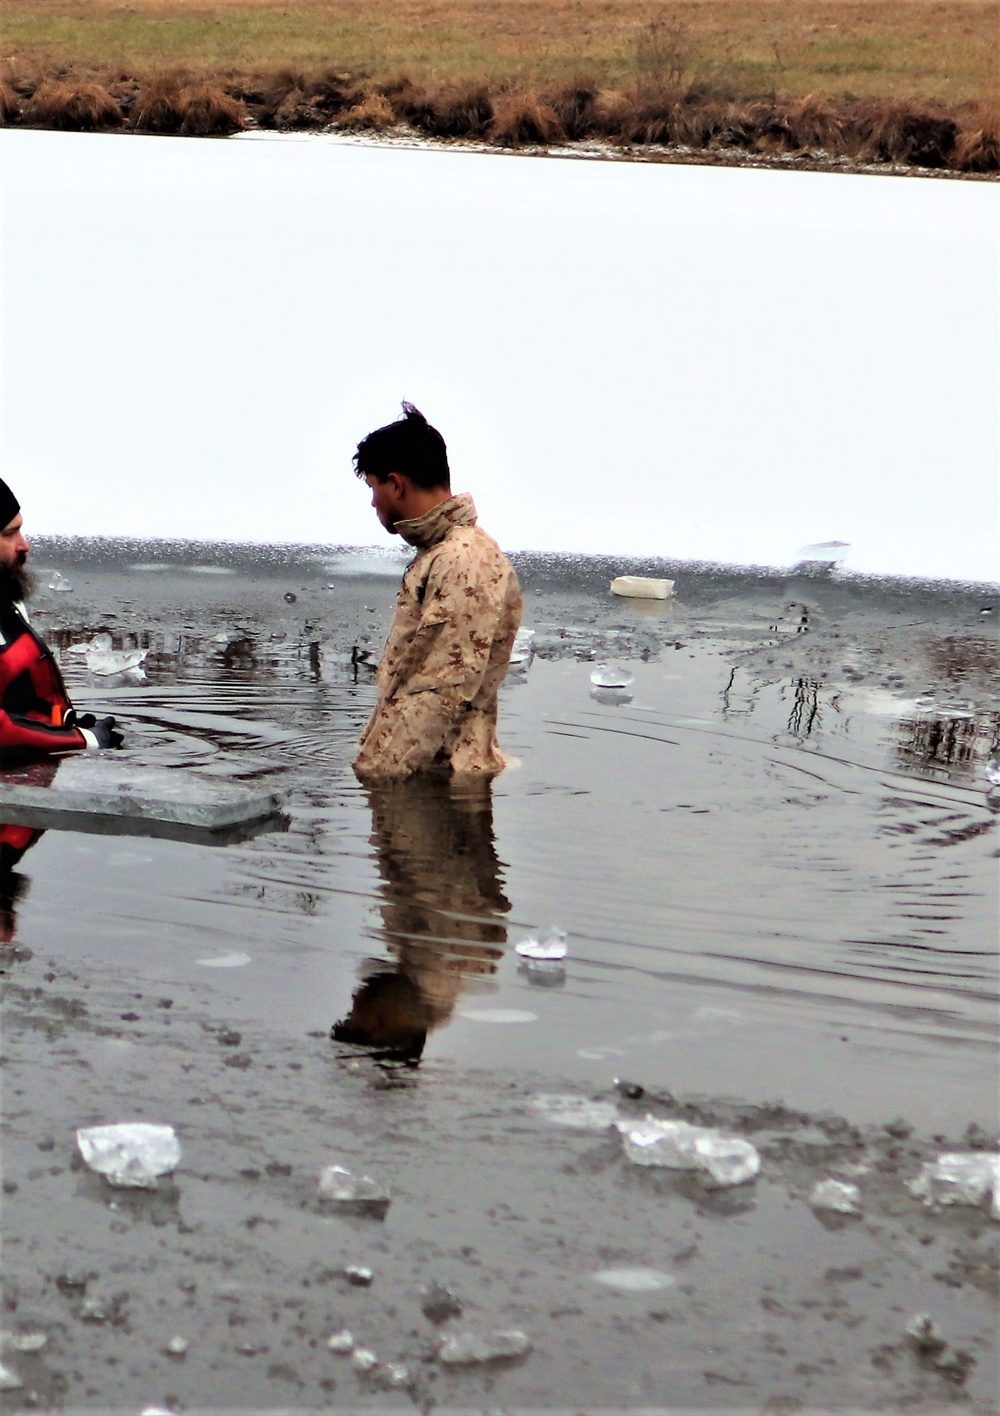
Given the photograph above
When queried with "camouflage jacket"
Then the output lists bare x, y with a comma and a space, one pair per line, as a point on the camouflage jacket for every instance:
458, 611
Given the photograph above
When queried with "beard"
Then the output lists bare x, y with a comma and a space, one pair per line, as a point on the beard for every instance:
16, 583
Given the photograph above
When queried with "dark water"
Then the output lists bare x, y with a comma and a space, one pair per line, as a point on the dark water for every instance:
777, 874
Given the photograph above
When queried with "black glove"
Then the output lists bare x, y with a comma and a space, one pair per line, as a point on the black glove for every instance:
73, 719
106, 733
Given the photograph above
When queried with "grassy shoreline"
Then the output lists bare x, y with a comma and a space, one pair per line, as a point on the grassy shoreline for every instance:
902, 84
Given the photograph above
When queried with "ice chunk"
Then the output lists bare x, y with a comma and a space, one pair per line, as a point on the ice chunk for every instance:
993, 773
176, 1347
635, 1280
548, 944
677, 1145
58, 583
364, 1360
523, 648
925, 1334
460, 1349
131, 1154
9, 1380
438, 1303
23, 1341
123, 661
837, 1196
579, 1113
825, 553
498, 1015
357, 1274
642, 587
341, 1342
395, 1374
101, 792
611, 676
235, 959
962, 1178
338, 1185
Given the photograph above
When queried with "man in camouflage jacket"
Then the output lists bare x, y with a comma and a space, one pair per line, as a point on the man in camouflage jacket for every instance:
458, 612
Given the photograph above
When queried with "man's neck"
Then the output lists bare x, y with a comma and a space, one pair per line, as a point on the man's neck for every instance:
421, 500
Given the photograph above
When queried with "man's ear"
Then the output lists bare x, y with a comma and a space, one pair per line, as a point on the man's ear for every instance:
399, 485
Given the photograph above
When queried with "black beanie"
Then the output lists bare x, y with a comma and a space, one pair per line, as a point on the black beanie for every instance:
9, 504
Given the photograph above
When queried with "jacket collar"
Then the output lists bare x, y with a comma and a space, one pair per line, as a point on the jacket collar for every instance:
427, 530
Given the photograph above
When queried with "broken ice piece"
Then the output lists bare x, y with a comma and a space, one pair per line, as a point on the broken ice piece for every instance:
61, 586
993, 773
341, 1342
963, 1178
837, 1196
523, 647
395, 1374
611, 676
115, 661
438, 1303
23, 1341
338, 1185
925, 1334
579, 1113
358, 1275
549, 944
677, 1145
9, 1380
364, 1360
461, 1349
642, 587
176, 1347
131, 1154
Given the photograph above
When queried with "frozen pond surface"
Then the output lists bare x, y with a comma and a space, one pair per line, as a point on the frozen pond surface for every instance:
627, 359
775, 865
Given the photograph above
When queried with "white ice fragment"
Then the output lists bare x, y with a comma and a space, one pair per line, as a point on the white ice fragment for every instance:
23, 1341
460, 1349
60, 586
364, 1360
131, 1154
498, 1015
962, 1178
579, 1113
677, 1145
359, 1275
176, 1347
993, 774
635, 1280
523, 647
837, 1196
548, 944
9, 1380
341, 1342
395, 1374
642, 587
114, 661
828, 553
611, 676
235, 959
925, 1334
338, 1185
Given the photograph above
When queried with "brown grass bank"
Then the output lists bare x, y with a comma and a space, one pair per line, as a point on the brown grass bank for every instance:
902, 82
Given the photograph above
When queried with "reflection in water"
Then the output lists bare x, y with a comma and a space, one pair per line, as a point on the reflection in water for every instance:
956, 743
441, 906
805, 712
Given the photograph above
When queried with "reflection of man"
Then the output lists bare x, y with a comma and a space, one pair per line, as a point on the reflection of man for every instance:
442, 907
457, 614
36, 716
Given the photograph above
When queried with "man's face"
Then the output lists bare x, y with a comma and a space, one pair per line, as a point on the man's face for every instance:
386, 500
16, 583
13, 546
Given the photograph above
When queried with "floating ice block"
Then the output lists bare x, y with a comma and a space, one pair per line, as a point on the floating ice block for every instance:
103, 794
642, 587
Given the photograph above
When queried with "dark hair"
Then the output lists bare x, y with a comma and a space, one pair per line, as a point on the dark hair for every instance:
409, 446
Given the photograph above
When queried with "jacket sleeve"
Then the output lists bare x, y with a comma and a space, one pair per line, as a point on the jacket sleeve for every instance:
20, 736
442, 671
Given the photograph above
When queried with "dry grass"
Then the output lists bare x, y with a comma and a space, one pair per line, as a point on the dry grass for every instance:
904, 82
884, 49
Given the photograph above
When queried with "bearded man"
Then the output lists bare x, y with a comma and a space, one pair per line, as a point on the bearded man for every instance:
36, 716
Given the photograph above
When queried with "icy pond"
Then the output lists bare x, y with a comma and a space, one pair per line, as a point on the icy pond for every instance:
774, 858
627, 359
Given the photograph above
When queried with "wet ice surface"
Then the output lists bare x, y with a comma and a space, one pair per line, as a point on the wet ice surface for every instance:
777, 878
